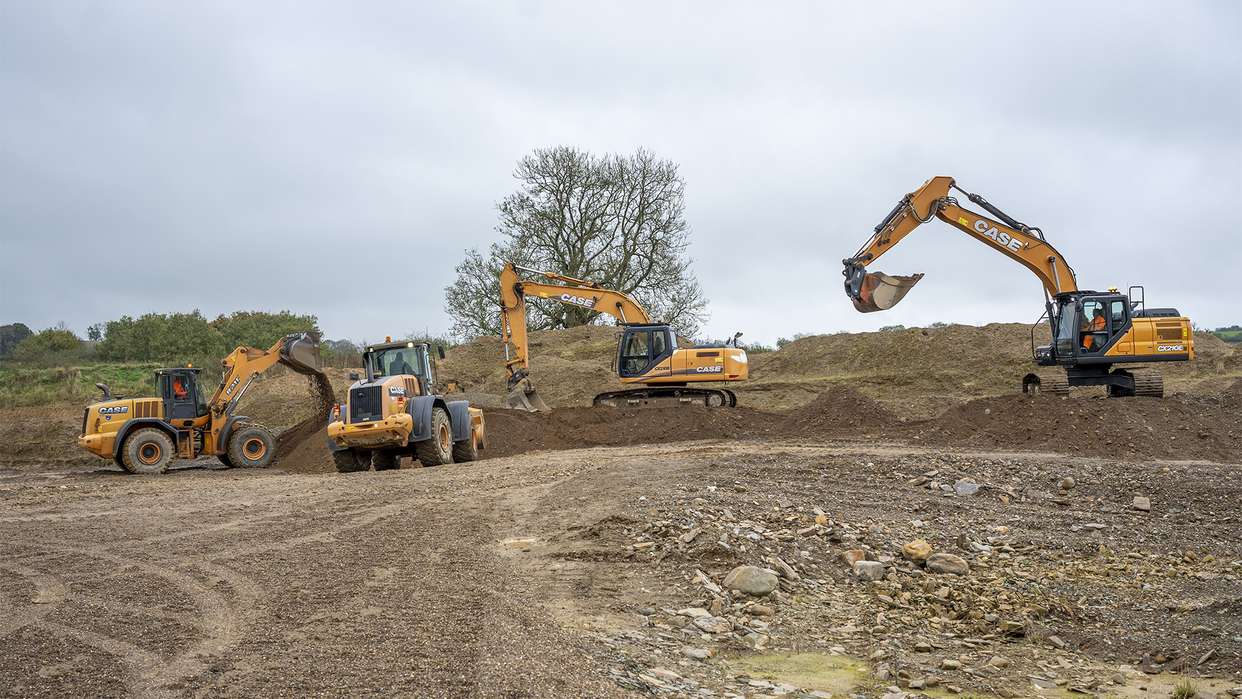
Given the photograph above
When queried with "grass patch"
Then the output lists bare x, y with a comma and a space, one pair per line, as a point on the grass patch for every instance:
25, 385
1185, 690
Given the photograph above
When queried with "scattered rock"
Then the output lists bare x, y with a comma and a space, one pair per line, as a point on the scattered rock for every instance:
696, 653
922, 647
947, 563
917, 550
965, 487
999, 661
1067, 483
713, 624
853, 556
1141, 503
752, 580
693, 612
869, 570
950, 664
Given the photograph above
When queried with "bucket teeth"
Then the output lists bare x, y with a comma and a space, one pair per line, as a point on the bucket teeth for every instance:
523, 396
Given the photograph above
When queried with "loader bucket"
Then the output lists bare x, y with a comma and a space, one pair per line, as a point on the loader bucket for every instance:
523, 396
300, 352
880, 292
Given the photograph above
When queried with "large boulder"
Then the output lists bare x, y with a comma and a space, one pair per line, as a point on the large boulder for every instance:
752, 580
947, 563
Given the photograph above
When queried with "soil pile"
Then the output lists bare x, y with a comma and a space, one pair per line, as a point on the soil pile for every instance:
291, 453
514, 432
839, 410
1176, 427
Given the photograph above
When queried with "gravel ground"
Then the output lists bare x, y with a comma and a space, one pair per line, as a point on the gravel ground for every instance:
591, 573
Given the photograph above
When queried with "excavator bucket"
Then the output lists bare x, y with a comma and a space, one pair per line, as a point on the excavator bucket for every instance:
880, 292
523, 396
300, 352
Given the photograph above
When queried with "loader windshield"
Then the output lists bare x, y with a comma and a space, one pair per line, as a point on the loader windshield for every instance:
396, 361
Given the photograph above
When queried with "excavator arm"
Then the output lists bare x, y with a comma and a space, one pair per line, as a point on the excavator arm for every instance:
570, 291
875, 291
298, 351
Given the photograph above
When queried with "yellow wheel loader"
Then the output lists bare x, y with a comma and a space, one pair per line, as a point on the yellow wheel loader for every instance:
144, 435
648, 353
394, 412
1092, 331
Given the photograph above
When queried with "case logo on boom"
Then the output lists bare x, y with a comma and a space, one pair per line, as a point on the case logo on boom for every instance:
229, 391
992, 233
578, 300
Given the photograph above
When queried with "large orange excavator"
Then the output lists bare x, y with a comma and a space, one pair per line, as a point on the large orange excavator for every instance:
1092, 331
647, 353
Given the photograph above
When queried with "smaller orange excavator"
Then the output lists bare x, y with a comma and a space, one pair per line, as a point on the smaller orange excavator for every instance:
647, 353
1092, 331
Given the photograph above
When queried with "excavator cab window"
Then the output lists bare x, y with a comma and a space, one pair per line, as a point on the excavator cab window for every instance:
643, 347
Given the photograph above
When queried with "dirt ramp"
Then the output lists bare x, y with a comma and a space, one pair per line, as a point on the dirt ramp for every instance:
1178, 427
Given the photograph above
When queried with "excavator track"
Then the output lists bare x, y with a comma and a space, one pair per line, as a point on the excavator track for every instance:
1053, 384
673, 396
1148, 383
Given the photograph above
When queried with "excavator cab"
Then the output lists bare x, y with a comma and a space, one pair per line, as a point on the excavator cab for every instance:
1087, 326
644, 346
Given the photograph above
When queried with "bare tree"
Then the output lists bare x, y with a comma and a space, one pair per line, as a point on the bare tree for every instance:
615, 220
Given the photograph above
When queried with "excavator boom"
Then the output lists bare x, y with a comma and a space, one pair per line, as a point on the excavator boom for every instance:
876, 291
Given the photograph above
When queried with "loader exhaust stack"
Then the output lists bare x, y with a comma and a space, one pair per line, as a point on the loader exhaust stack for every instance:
876, 291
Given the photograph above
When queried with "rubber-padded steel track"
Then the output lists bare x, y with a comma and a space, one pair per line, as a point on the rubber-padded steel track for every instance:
655, 397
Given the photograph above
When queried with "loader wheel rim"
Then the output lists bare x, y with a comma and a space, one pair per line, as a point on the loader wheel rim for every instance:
254, 448
445, 438
149, 454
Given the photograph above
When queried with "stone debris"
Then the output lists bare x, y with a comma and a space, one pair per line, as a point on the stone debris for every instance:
947, 563
751, 580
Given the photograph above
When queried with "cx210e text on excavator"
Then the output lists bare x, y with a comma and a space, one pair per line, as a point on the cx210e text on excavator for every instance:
647, 353
1092, 331
144, 435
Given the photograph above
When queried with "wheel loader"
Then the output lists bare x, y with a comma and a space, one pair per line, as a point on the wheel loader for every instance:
394, 411
145, 435
648, 353
1099, 338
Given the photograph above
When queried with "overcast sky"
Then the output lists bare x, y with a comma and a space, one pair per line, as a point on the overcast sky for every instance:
337, 158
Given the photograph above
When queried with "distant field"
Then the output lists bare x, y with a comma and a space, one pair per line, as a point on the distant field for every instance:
23, 385
1229, 335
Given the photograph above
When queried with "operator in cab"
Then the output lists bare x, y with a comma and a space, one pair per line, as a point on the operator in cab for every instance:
1097, 325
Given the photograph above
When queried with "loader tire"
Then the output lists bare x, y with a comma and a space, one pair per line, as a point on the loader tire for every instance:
147, 451
385, 461
351, 460
466, 450
251, 446
439, 449
224, 459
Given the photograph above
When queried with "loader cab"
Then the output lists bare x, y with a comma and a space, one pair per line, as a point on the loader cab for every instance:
402, 358
182, 393
644, 346
1087, 324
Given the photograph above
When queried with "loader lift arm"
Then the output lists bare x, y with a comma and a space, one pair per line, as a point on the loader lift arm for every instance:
298, 351
1012, 238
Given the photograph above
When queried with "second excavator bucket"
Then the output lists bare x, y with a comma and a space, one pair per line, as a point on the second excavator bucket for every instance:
880, 292
523, 396
300, 352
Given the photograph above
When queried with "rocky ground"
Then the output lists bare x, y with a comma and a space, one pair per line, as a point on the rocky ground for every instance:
743, 567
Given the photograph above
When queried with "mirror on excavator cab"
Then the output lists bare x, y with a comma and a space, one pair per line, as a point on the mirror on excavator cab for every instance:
876, 291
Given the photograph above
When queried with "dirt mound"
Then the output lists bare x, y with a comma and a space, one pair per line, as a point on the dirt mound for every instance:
1177, 427
838, 410
292, 451
515, 432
